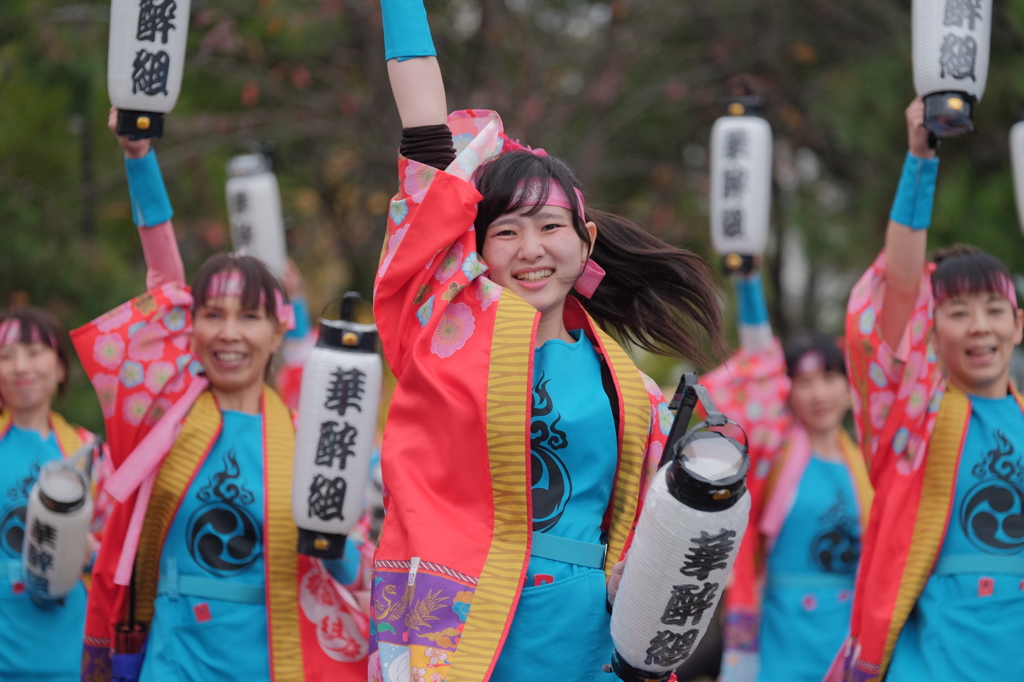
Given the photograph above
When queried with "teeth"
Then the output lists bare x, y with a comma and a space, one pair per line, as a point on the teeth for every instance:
230, 357
535, 276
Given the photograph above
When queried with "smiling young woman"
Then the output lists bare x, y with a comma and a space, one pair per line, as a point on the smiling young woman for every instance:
788, 607
202, 545
33, 371
938, 594
521, 437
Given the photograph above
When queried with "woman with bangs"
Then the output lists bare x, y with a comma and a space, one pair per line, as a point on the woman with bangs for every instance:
201, 555
788, 605
520, 437
939, 594
33, 371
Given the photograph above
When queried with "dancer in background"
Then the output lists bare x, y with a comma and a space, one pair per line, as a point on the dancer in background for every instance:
202, 547
37, 641
520, 437
939, 589
788, 608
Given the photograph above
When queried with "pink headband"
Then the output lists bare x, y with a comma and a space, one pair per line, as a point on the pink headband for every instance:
530, 191
1007, 290
10, 332
811, 361
231, 283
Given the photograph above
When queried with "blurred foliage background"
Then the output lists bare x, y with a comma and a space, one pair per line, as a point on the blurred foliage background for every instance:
625, 91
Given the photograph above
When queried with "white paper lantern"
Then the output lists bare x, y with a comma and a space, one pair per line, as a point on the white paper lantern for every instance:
741, 183
335, 436
951, 51
1017, 163
693, 520
254, 211
56, 531
145, 62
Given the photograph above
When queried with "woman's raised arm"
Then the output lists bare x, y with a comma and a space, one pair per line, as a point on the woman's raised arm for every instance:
151, 210
412, 64
906, 237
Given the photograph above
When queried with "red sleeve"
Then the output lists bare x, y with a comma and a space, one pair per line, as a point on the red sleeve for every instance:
429, 255
137, 358
895, 391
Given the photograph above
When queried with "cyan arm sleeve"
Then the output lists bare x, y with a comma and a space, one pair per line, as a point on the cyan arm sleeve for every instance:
406, 31
915, 195
150, 203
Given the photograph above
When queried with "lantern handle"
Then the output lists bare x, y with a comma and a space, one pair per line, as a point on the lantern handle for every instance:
685, 400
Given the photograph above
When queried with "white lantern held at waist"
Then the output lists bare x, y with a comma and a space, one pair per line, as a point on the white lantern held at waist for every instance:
1017, 164
57, 528
741, 184
254, 211
336, 432
146, 62
951, 51
693, 520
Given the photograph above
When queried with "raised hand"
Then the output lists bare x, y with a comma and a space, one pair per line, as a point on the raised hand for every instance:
917, 134
133, 149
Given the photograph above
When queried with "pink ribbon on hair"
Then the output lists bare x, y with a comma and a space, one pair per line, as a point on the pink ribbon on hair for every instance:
591, 275
285, 311
139, 470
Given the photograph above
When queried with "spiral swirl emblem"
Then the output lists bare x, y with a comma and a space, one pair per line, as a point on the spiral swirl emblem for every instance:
223, 539
223, 536
836, 550
12, 531
993, 516
551, 484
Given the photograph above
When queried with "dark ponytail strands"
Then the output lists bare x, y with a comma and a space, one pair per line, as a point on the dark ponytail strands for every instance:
659, 297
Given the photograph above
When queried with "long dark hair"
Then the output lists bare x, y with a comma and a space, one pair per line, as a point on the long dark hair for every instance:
657, 296
38, 325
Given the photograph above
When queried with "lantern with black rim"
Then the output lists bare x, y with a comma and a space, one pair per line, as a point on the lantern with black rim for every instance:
254, 210
741, 182
951, 50
145, 62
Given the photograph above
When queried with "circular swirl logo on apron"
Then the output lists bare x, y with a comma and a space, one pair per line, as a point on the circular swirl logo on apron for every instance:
223, 536
12, 531
12, 518
836, 547
992, 515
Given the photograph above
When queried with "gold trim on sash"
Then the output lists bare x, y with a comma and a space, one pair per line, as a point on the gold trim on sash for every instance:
198, 434
68, 439
940, 464
635, 420
508, 448
859, 475
280, 540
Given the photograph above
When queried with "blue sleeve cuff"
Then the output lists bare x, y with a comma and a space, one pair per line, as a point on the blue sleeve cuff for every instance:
150, 203
406, 30
915, 195
752, 305
302, 323
346, 569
